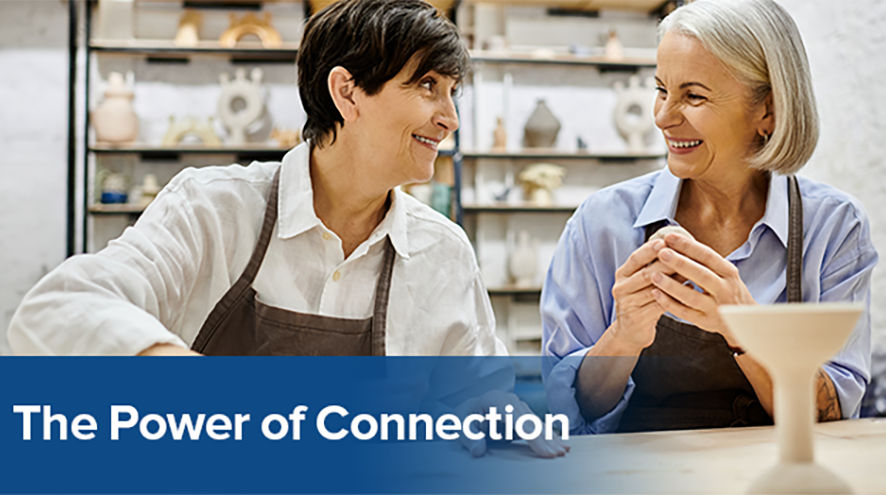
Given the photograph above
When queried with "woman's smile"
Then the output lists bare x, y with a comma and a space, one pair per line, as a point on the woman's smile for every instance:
427, 142
683, 146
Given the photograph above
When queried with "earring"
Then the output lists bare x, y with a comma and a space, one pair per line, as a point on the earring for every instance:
765, 138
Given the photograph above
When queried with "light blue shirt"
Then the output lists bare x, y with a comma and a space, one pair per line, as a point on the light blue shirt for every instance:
577, 304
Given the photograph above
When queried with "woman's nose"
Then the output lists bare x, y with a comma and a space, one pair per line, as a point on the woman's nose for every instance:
666, 114
447, 117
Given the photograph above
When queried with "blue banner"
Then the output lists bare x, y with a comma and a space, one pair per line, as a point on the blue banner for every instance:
270, 425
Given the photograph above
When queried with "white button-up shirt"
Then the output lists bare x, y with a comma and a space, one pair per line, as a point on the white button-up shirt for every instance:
159, 281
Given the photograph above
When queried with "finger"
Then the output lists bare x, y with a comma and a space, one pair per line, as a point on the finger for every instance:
701, 253
635, 300
644, 255
692, 270
674, 307
682, 293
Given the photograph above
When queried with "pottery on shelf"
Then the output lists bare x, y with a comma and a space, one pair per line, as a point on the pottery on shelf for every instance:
634, 111
114, 189
614, 50
240, 91
249, 24
541, 128
539, 180
791, 341
286, 138
188, 29
523, 263
149, 190
190, 126
114, 119
500, 135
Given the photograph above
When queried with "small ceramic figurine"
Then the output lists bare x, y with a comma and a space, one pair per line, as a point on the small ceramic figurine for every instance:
250, 24
115, 120
614, 50
539, 180
149, 190
188, 29
633, 112
190, 126
541, 128
499, 136
286, 138
524, 261
247, 92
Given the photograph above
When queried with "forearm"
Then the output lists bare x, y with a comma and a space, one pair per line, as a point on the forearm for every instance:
603, 375
826, 399
759, 379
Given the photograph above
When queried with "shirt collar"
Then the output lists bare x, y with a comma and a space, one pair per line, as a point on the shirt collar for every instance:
662, 201
296, 204
662, 204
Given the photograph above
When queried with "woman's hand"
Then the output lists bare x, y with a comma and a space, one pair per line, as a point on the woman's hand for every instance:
637, 310
546, 449
717, 277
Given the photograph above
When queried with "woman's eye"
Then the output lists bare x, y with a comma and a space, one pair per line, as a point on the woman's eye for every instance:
661, 91
695, 97
428, 84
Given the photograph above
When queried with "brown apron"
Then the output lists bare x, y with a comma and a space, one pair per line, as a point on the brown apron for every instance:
688, 378
240, 325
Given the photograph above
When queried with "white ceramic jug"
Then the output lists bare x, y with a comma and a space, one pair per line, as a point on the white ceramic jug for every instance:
115, 120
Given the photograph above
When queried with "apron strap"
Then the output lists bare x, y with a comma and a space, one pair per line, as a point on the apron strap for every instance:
382, 295
264, 238
795, 242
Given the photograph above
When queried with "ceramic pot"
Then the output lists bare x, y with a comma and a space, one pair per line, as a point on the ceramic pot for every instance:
541, 128
115, 120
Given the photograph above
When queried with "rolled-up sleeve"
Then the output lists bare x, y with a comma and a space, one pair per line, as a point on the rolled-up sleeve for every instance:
575, 309
846, 277
121, 300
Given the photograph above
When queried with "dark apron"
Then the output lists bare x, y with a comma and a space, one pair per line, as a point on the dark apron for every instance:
688, 378
240, 325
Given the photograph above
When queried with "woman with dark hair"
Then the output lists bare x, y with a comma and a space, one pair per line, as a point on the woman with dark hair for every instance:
321, 254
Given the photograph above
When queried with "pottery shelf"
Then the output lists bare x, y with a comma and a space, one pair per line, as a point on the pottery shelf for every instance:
514, 291
517, 209
147, 152
116, 209
552, 154
601, 63
166, 49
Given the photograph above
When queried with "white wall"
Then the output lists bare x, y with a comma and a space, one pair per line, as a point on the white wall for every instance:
845, 42
33, 146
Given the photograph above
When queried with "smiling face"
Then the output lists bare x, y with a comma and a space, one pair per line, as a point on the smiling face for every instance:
400, 127
704, 113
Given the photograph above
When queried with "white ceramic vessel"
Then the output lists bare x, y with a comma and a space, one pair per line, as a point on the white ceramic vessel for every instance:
115, 120
791, 341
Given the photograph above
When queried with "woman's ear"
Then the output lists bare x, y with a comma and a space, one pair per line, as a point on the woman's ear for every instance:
766, 124
342, 89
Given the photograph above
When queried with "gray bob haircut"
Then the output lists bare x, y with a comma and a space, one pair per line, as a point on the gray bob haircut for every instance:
759, 43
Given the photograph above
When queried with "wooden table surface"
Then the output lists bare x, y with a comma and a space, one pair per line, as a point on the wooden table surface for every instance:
695, 461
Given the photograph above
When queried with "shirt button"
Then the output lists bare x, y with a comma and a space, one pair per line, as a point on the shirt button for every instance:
326, 236
336, 276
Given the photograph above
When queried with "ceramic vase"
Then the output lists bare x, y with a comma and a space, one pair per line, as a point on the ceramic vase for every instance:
499, 136
115, 120
541, 128
791, 341
524, 261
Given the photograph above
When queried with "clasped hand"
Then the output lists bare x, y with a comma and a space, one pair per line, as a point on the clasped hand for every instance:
654, 280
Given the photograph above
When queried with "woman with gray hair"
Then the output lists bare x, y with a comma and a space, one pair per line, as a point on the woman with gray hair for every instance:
631, 323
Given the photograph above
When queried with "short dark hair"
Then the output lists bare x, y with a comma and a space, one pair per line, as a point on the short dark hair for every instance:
373, 40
